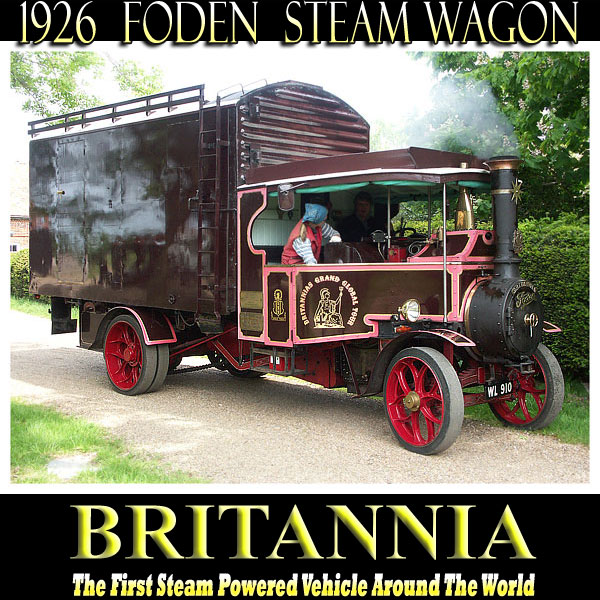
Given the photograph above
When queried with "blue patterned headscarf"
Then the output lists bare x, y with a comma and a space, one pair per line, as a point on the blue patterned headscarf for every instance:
315, 213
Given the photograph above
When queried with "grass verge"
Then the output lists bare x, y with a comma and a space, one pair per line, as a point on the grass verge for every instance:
40, 434
37, 308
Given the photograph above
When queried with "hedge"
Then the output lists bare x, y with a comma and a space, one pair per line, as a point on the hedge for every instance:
19, 274
556, 259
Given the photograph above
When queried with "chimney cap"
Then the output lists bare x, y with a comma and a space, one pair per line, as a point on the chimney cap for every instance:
497, 163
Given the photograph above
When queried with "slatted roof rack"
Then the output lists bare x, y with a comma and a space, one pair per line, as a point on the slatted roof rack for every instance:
145, 104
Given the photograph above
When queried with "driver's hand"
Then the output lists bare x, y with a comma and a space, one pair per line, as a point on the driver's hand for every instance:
336, 239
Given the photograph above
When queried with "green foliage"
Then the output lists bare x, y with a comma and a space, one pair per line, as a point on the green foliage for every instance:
544, 96
59, 82
52, 81
387, 136
131, 77
19, 274
465, 117
556, 259
20, 298
572, 425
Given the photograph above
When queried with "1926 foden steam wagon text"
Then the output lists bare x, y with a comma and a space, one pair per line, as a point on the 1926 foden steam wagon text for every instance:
164, 219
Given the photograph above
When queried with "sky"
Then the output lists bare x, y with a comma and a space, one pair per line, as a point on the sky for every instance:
378, 82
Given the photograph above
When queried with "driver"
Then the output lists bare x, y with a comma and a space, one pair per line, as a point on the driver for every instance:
304, 243
360, 224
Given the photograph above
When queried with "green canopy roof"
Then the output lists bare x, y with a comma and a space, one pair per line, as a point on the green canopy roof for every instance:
400, 191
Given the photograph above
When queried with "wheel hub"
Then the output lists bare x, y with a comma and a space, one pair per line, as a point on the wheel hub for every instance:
412, 401
129, 354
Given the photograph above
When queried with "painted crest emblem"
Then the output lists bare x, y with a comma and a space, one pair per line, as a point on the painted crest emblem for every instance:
278, 307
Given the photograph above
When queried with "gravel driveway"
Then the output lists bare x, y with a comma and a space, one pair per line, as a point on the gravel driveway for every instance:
270, 430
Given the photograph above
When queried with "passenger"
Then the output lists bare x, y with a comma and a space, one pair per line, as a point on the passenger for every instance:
304, 243
360, 224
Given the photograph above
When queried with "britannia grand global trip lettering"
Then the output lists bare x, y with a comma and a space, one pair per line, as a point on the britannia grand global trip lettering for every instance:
295, 531
303, 295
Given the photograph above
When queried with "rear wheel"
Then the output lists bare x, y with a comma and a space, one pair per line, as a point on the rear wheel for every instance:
423, 400
133, 367
537, 398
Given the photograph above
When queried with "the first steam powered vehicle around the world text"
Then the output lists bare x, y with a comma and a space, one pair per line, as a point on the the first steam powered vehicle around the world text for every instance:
170, 222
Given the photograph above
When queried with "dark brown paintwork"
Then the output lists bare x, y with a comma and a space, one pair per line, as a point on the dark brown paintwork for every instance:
278, 307
410, 158
144, 213
115, 204
290, 122
363, 292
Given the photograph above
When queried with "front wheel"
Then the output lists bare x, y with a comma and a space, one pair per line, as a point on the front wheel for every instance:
537, 398
423, 400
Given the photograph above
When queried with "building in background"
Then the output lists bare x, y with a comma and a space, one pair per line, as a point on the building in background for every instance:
19, 206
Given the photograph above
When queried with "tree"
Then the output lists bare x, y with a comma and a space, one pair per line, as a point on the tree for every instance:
539, 109
58, 82
131, 77
52, 81
386, 135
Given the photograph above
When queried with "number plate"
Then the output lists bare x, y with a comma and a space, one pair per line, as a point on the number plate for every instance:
497, 388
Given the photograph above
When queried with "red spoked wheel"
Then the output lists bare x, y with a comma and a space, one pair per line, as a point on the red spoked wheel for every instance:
133, 367
537, 398
424, 401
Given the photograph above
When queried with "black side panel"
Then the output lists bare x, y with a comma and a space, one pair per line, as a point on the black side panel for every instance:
110, 217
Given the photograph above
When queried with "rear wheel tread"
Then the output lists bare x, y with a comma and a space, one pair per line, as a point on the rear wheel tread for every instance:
124, 333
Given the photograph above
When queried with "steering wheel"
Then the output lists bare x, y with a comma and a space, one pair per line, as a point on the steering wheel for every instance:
402, 232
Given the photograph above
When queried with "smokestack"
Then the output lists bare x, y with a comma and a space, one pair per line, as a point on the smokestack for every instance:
506, 191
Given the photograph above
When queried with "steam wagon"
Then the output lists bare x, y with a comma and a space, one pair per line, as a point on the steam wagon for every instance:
163, 219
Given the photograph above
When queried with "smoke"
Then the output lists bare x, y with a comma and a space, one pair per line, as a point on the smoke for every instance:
464, 116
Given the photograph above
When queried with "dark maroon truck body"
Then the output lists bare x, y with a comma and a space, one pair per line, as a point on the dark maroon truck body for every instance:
144, 213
